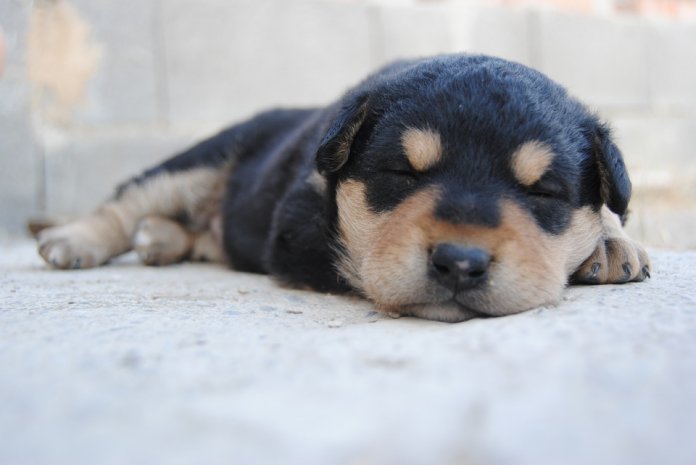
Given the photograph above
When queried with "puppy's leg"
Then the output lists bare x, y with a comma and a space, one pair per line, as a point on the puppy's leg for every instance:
189, 185
108, 232
617, 258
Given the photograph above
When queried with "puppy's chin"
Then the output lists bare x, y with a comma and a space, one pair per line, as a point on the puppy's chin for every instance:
505, 296
448, 312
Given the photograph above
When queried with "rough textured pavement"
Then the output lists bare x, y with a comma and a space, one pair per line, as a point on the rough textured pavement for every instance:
194, 364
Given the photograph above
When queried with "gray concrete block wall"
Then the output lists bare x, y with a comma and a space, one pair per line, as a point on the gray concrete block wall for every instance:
20, 164
604, 62
226, 60
171, 71
428, 29
125, 87
83, 170
410, 31
21, 176
672, 70
501, 32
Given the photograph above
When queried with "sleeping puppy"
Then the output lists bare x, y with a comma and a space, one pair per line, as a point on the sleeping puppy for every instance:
444, 188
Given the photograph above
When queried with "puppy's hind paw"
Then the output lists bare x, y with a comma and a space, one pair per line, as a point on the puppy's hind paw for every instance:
62, 247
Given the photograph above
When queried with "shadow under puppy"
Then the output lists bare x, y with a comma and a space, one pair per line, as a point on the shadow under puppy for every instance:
445, 188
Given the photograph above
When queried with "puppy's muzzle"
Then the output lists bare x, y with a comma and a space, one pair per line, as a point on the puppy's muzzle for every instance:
459, 268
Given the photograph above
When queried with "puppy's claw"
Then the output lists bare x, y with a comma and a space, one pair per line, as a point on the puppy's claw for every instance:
592, 276
595, 269
614, 261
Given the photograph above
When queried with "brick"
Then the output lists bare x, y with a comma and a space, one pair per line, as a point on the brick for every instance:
20, 155
672, 66
421, 30
82, 170
602, 61
19, 160
227, 59
412, 31
124, 88
658, 150
667, 225
502, 32
14, 24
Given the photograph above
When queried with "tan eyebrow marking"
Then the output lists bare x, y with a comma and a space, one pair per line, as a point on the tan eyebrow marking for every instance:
422, 146
530, 161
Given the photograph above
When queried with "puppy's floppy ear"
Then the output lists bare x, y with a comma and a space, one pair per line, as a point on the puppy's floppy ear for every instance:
615, 185
335, 148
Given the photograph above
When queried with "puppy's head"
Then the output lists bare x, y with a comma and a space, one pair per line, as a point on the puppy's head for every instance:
467, 185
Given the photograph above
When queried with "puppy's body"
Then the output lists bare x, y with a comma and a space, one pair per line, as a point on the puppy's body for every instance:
443, 188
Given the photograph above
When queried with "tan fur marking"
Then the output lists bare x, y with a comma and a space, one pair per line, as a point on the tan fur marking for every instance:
192, 192
530, 161
358, 227
423, 147
527, 269
611, 224
388, 254
581, 237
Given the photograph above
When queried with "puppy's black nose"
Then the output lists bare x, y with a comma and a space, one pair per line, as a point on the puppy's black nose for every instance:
457, 267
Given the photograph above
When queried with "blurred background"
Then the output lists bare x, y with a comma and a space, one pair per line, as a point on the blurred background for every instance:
93, 91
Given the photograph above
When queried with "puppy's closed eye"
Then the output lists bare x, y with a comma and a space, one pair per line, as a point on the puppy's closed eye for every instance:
399, 169
547, 189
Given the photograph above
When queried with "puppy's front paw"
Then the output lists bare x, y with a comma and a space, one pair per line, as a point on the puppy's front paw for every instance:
614, 261
68, 247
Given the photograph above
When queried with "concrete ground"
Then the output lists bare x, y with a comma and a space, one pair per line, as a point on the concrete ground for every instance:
194, 364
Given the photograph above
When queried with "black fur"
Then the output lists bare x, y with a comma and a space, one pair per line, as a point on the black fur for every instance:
277, 222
